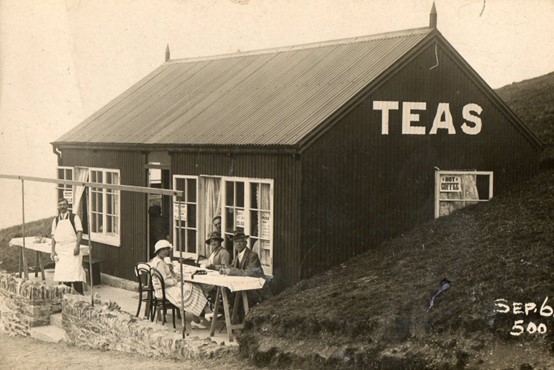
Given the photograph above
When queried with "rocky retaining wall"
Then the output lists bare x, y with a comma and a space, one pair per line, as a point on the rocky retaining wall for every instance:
105, 326
25, 304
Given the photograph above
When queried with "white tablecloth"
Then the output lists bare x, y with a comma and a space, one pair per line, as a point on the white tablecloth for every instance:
233, 283
45, 246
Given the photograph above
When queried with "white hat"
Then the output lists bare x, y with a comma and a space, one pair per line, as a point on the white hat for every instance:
161, 244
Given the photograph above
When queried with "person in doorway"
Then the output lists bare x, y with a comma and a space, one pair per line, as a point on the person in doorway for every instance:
219, 257
217, 224
194, 299
67, 231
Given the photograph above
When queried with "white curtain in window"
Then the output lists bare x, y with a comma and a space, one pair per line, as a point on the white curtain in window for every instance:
212, 202
81, 174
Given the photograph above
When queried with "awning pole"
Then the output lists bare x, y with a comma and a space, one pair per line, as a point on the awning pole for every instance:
89, 211
25, 269
179, 244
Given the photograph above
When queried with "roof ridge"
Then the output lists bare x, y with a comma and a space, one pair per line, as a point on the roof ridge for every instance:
310, 45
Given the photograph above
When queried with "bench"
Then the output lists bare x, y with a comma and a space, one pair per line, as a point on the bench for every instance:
96, 279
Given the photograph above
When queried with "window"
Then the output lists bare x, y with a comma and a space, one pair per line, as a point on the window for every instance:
458, 189
105, 207
248, 204
187, 227
65, 191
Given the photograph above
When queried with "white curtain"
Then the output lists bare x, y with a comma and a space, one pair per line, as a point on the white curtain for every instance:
211, 207
81, 174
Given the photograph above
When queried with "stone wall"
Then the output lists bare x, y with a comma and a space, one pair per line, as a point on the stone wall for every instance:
25, 304
105, 326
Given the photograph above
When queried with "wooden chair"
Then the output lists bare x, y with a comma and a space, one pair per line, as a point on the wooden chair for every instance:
163, 302
146, 291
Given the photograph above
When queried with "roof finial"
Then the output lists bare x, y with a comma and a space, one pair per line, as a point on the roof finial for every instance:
433, 17
167, 53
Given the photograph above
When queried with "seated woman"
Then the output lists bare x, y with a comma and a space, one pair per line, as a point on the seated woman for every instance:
220, 257
194, 299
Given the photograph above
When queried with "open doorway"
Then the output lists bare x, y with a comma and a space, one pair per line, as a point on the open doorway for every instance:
158, 207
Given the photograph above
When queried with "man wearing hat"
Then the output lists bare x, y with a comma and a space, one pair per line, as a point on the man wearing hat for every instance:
220, 257
247, 263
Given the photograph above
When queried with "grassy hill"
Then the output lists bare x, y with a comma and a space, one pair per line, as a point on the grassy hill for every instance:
373, 311
533, 101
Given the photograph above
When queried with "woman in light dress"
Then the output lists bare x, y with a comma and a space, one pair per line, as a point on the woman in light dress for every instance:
194, 301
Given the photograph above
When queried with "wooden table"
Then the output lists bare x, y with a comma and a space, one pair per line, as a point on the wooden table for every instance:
236, 284
32, 244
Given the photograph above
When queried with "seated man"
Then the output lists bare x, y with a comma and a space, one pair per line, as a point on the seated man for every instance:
247, 263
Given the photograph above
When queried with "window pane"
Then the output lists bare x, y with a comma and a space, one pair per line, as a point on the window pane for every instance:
109, 199
230, 193
109, 225
191, 190
229, 220
60, 173
239, 202
191, 241
191, 215
265, 197
254, 223
100, 202
254, 195
265, 257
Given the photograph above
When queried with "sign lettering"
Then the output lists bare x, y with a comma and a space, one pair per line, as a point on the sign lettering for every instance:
450, 184
442, 122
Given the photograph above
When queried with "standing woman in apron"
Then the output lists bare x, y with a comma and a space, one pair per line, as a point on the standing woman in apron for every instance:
67, 231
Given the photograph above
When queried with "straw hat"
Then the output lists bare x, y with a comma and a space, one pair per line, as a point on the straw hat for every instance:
162, 244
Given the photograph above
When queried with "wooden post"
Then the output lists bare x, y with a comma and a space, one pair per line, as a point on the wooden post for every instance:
25, 268
179, 245
89, 211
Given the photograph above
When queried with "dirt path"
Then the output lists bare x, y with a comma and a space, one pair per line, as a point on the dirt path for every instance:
29, 353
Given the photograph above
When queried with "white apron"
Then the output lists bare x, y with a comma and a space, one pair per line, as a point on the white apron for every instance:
69, 267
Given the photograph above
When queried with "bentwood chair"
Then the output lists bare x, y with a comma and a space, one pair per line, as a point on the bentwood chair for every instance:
160, 303
146, 292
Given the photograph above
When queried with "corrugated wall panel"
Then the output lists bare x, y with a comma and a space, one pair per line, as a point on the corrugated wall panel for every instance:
119, 261
285, 171
361, 187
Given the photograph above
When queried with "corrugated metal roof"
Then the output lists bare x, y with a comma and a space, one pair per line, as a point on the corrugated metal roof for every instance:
270, 97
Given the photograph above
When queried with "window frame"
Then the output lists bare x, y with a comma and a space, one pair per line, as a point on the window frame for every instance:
65, 187
268, 269
113, 239
175, 221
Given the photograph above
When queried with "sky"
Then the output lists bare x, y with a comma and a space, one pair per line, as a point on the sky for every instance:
60, 61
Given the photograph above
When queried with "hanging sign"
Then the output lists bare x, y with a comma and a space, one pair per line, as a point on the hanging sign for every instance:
450, 184
265, 225
68, 194
239, 218
183, 211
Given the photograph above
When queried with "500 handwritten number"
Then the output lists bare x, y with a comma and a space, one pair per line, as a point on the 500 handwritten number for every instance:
519, 329
518, 308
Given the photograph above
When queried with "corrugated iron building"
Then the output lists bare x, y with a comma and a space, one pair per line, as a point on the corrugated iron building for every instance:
319, 151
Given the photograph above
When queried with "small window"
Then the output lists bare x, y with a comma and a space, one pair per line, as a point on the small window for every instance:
65, 191
458, 189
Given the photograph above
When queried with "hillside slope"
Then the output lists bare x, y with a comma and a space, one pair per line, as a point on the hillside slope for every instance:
533, 101
372, 311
